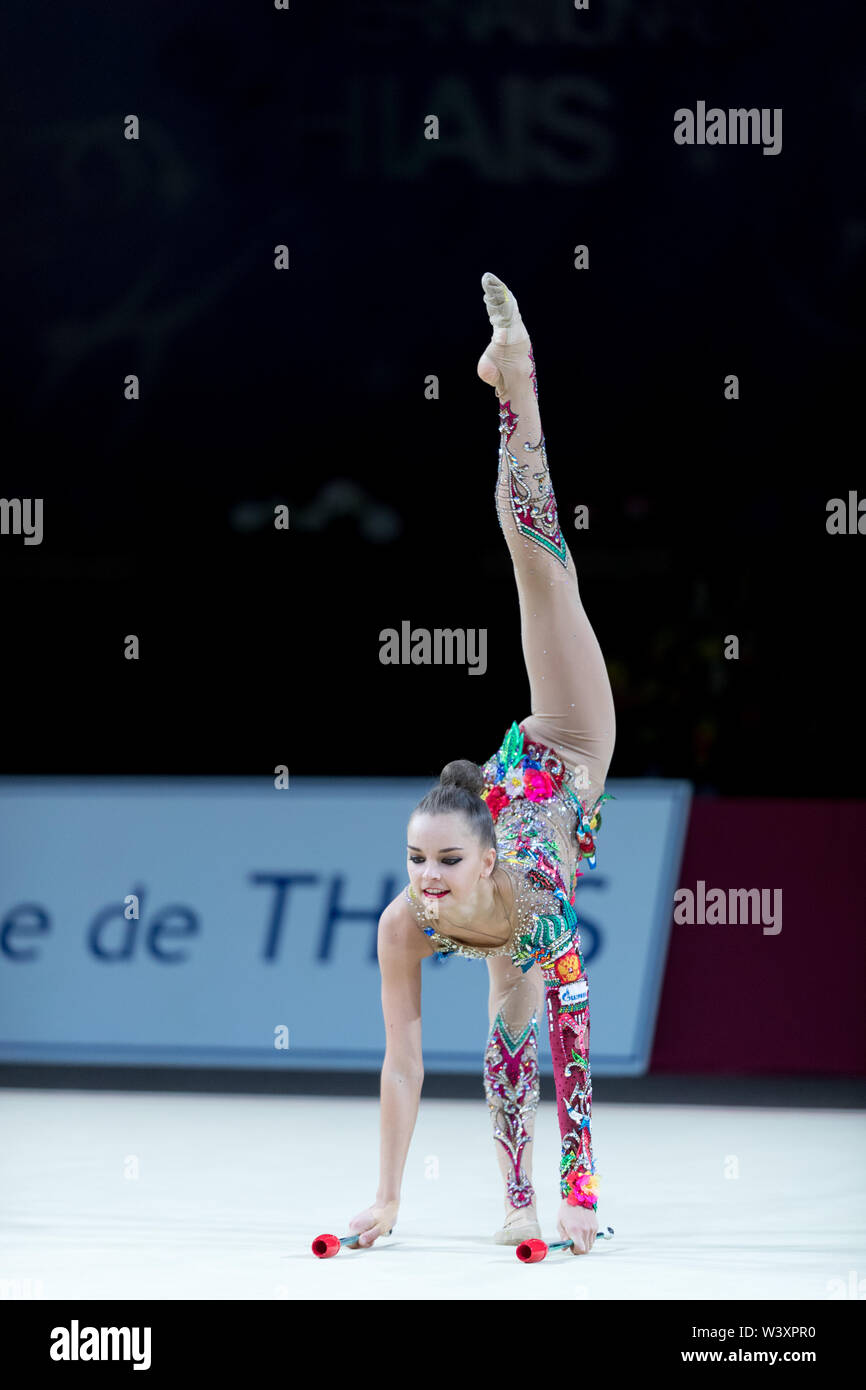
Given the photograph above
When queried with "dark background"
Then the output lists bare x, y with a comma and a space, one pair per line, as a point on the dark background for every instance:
155, 257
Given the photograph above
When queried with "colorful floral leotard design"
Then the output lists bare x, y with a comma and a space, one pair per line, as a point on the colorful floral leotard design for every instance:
544, 830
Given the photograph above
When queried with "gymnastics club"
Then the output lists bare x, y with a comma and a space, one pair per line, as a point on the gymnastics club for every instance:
326, 1246
531, 1251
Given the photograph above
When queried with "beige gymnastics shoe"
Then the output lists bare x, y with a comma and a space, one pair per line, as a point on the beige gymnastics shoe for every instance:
509, 352
516, 1228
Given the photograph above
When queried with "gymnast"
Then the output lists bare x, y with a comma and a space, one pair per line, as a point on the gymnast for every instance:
493, 851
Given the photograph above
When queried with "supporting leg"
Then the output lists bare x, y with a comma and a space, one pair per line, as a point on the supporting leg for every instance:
511, 1085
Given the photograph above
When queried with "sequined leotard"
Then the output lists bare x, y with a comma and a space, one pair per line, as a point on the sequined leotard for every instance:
544, 830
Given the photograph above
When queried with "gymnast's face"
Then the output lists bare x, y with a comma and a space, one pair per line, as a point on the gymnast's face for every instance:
445, 860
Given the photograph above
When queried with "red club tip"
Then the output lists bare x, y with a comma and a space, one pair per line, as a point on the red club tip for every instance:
531, 1251
325, 1246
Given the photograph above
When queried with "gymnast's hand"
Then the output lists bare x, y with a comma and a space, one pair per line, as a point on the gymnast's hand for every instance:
579, 1225
376, 1221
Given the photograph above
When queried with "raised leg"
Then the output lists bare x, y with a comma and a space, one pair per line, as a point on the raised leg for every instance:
572, 702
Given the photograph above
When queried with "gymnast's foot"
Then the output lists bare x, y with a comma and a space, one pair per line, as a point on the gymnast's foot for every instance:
506, 361
521, 1223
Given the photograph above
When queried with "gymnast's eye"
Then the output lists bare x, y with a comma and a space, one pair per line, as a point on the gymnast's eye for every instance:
419, 859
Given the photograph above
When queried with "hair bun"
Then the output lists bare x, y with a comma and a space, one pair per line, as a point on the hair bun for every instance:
462, 773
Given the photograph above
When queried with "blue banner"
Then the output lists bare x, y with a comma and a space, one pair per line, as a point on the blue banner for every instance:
228, 923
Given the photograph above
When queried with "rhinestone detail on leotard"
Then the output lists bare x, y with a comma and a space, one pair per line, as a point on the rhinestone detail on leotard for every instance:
532, 499
544, 830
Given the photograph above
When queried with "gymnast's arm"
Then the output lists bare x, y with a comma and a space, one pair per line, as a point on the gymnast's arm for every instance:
401, 949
